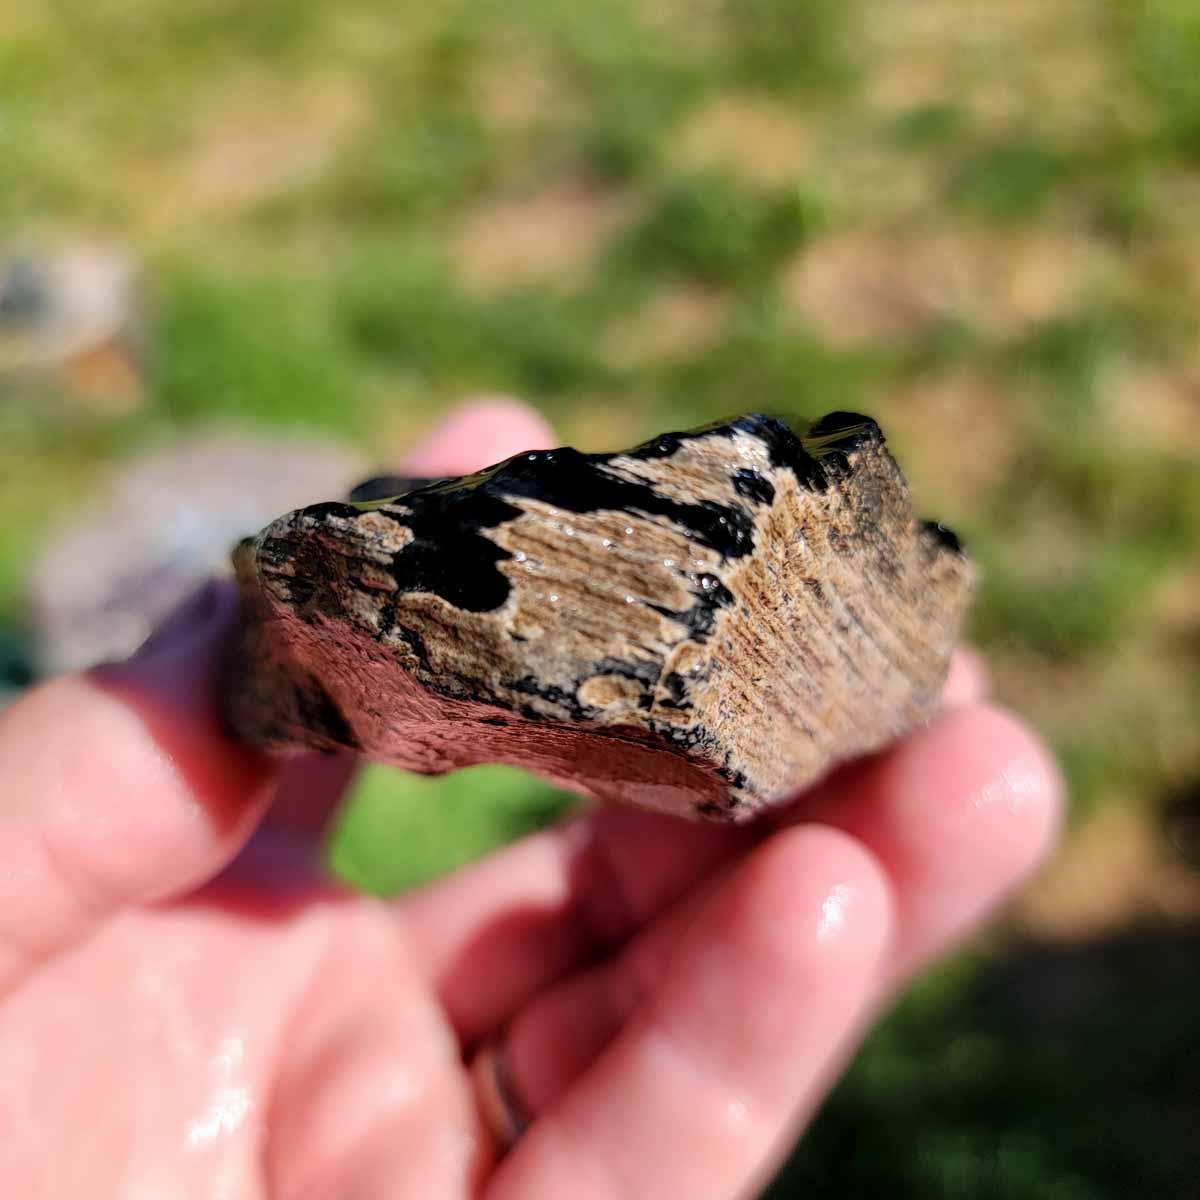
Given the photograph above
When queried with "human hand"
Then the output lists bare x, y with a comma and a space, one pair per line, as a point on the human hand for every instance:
188, 1009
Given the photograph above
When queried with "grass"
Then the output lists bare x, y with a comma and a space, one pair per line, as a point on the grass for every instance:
941, 1105
401, 832
319, 283
711, 229
250, 347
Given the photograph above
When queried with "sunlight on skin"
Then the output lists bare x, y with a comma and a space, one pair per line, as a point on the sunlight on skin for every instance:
833, 912
230, 1101
270, 1036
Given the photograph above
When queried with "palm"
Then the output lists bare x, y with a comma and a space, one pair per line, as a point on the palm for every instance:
196, 1025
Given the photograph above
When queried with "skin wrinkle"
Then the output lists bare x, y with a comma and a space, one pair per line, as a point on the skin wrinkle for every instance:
22, 945
87, 888
603, 910
741, 1117
337, 1045
287, 1038
90, 897
708, 1076
613, 1183
332, 968
722, 965
810, 941
611, 991
716, 1078
646, 964
637, 976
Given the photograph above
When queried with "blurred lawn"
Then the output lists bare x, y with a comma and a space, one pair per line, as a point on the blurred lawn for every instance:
975, 220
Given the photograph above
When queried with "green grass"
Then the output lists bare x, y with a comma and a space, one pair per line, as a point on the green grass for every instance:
265, 349
403, 830
407, 314
413, 167
1008, 180
1007, 1083
805, 47
709, 228
1163, 40
330, 298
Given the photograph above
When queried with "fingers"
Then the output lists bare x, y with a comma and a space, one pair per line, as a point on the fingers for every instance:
560, 1033
530, 914
120, 786
492, 934
477, 434
956, 816
751, 1017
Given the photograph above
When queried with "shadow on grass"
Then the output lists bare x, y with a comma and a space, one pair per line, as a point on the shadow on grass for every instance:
1061, 1072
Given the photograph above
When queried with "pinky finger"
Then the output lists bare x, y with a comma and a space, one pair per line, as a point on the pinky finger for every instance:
764, 998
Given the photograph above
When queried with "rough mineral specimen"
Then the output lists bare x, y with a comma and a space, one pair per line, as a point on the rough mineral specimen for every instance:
701, 625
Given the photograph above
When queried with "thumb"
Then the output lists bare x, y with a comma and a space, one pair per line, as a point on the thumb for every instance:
120, 786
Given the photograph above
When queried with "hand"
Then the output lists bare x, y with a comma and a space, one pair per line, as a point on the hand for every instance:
188, 1009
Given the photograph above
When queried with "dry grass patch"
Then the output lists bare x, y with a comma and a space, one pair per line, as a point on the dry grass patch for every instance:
1077, 90
696, 24
871, 286
1040, 275
255, 138
981, 27
989, 90
1152, 409
1007, 63
956, 434
1175, 611
871, 184
1115, 871
762, 141
264, 139
551, 236
20, 18
514, 91
674, 323
600, 424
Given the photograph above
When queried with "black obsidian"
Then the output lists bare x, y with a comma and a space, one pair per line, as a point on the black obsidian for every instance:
451, 556
753, 486
384, 487
943, 536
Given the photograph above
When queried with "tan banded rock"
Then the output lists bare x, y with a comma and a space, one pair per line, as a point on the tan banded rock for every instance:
701, 625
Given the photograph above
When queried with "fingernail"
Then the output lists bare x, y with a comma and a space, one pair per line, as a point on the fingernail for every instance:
189, 622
